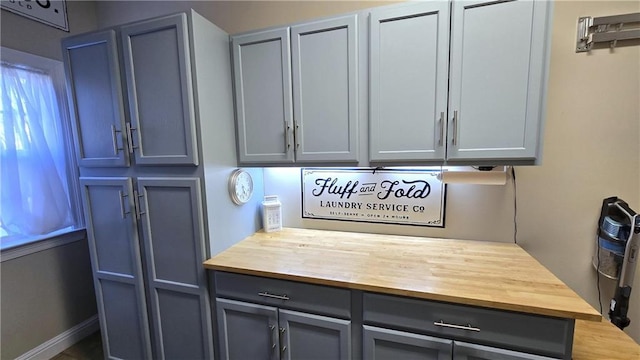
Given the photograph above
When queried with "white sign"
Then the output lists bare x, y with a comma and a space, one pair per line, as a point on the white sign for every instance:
50, 12
411, 197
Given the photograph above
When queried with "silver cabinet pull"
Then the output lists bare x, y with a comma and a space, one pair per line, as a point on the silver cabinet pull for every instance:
272, 328
296, 135
287, 145
114, 139
455, 127
130, 137
137, 197
122, 196
273, 296
283, 347
440, 125
467, 327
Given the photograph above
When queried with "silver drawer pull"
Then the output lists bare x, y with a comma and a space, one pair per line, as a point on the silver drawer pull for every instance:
273, 296
453, 326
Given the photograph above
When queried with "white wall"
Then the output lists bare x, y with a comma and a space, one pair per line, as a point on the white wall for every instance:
480, 212
591, 146
232, 16
24, 34
592, 151
45, 294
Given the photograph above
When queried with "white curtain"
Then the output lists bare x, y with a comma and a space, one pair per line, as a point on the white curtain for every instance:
33, 180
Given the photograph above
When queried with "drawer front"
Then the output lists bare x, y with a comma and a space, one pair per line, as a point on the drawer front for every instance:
535, 334
286, 294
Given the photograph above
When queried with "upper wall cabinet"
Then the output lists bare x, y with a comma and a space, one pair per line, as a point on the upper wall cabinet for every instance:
497, 79
494, 57
409, 48
325, 90
262, 74
93, 73
296, 93
161, 130
158, 72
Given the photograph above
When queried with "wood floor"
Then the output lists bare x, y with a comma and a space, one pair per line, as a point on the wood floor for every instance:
90, 348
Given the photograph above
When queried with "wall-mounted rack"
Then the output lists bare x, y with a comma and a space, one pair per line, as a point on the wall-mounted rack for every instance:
592, 30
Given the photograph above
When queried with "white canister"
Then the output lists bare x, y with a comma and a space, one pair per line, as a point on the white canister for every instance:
271, 213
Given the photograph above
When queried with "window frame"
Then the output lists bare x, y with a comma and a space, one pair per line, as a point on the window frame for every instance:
55, 69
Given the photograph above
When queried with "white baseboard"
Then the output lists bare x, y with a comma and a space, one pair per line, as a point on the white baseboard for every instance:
58, 344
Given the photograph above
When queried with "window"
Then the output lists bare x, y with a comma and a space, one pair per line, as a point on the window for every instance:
38, 197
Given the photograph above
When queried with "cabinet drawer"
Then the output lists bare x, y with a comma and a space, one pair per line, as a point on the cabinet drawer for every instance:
285, 294
529, 333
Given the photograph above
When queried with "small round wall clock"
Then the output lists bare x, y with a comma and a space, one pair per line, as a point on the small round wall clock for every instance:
240, 186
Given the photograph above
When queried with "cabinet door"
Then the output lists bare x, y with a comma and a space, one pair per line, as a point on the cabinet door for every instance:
117, 268
497, 80
262, 75
307, 336
247, 331
325, 108
465, 351
172, 225
383, 344
96, 99
158, 69
409, 53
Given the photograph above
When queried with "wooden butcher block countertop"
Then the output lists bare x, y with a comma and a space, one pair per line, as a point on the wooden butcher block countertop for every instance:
488, 274
593, 340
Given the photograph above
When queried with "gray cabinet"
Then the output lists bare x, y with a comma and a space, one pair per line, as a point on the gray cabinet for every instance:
383, 344
114, 247
262, 318
449, 82
324, 58
296, 93
253, 331
171, 218
168, 212
495, 59
502, 332
157, 81
466, 351
247, 331
498, 72
158, 73
408, 79
149, 228
96, 99
267, 318
264, 112
309, 336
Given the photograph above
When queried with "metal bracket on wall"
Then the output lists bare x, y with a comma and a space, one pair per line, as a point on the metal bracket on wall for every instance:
592, 30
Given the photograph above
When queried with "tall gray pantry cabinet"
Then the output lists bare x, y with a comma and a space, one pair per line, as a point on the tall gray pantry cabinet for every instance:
143, 97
